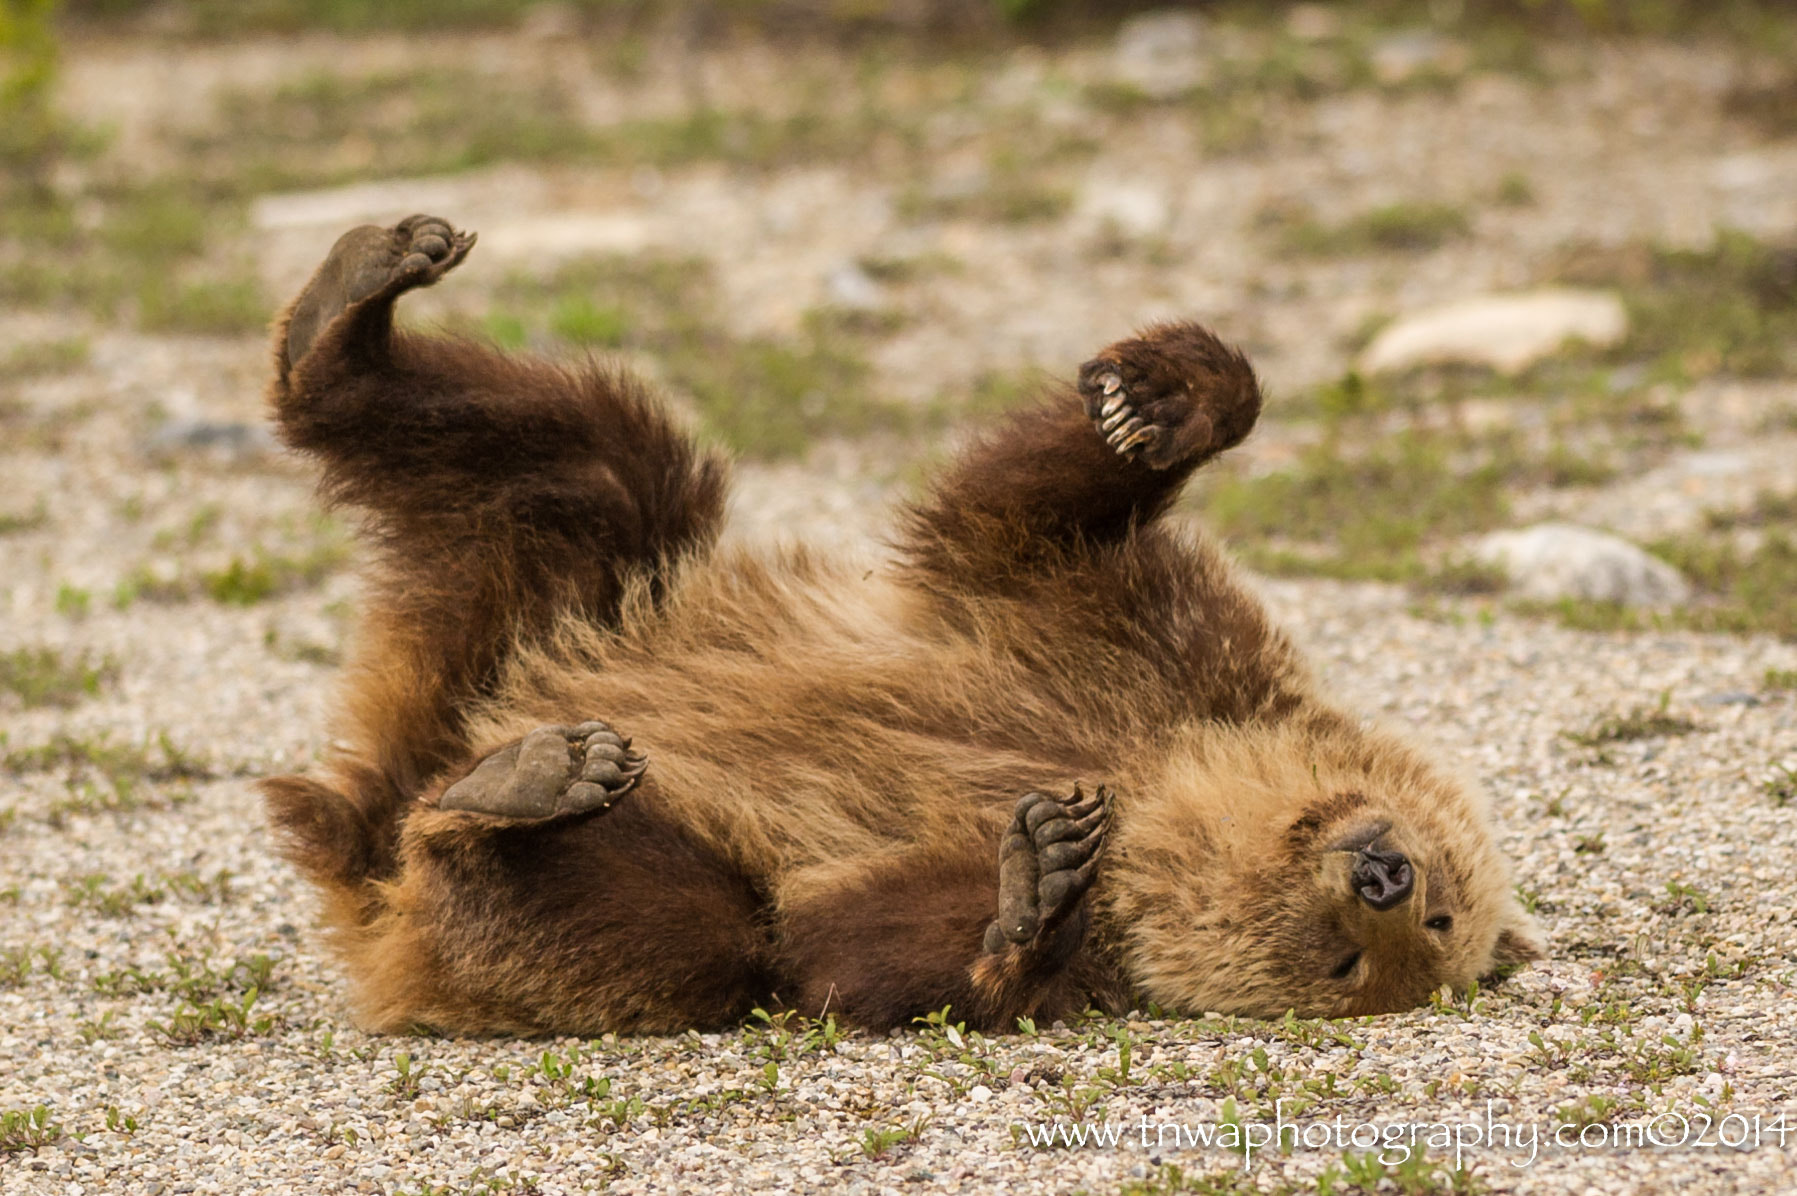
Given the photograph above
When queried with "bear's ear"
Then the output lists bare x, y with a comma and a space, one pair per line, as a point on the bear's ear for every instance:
1519, 942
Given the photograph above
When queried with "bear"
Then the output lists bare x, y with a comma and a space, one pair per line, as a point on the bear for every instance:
595, 772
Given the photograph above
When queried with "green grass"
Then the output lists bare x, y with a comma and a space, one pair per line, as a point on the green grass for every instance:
1642, 722
324, 129
36, 358
1740, 590
47, 677
1400, 227
1747, 589
1730, 309
1768, 509
247, 578
1009, 194
1358, 511
767, 397
164, 762
1515, 190
13, 522
145, 259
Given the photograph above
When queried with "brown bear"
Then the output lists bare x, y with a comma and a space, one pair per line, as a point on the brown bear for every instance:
601, 774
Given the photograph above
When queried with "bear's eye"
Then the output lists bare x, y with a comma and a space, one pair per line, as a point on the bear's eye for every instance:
1347, 967
1440, 922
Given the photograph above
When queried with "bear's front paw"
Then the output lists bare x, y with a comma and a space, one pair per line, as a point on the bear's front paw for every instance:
1045, 865
553, 772
1173, 395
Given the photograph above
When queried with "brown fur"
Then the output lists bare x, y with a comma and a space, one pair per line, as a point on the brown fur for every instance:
834, 750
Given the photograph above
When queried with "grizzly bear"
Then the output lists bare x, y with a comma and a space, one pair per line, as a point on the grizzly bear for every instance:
596, 772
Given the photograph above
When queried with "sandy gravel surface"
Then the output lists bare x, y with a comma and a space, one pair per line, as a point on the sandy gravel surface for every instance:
140, 906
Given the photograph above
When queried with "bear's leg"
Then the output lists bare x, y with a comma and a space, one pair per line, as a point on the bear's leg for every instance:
1089, 465
566, 475
994, 934
504, 493
531, 906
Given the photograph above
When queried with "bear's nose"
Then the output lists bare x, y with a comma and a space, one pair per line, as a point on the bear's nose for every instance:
1383, 879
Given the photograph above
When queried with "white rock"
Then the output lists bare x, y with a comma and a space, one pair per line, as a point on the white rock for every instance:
1132, 210
852, 288
1551, 561
979, 1094
1161, 52
1506, 332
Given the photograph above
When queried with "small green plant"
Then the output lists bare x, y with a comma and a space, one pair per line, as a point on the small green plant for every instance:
1686, 897
46, 677
1399, 227
1781, 784
404, 1084
44, 357
1642, 722
877, 1141
215, 1019
1515, 191
27, 1129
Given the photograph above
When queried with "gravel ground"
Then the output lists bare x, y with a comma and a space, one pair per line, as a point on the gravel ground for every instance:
140, 906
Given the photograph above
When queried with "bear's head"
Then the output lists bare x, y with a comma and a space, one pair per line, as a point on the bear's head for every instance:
1322, 868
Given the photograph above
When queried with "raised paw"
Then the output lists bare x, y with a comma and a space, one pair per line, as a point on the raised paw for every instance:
1045, 865
553, 772
427, 248
1174, 395
373, 264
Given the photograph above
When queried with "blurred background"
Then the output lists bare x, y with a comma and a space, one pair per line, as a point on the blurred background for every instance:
1502, 263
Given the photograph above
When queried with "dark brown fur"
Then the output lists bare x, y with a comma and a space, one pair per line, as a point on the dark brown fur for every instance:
834, 752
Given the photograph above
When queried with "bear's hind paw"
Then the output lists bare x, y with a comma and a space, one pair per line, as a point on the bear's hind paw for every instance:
553, 772
1045, 865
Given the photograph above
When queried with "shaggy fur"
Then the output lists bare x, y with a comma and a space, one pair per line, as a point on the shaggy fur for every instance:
835, 753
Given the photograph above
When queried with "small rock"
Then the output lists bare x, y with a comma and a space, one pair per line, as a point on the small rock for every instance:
1730, 698
1161, 52
1551, 561
223, 439
1509, 333
1129, 210
979, 1094
851, 287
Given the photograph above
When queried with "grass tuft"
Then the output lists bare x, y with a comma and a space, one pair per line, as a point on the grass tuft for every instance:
45, 677
1643, 722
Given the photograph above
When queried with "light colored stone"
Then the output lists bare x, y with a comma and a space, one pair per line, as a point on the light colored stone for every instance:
1161, 52
853, 289
1130, 210
1509, 333
1551, 561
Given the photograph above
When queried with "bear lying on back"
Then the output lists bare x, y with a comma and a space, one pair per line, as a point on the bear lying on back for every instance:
600, 774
